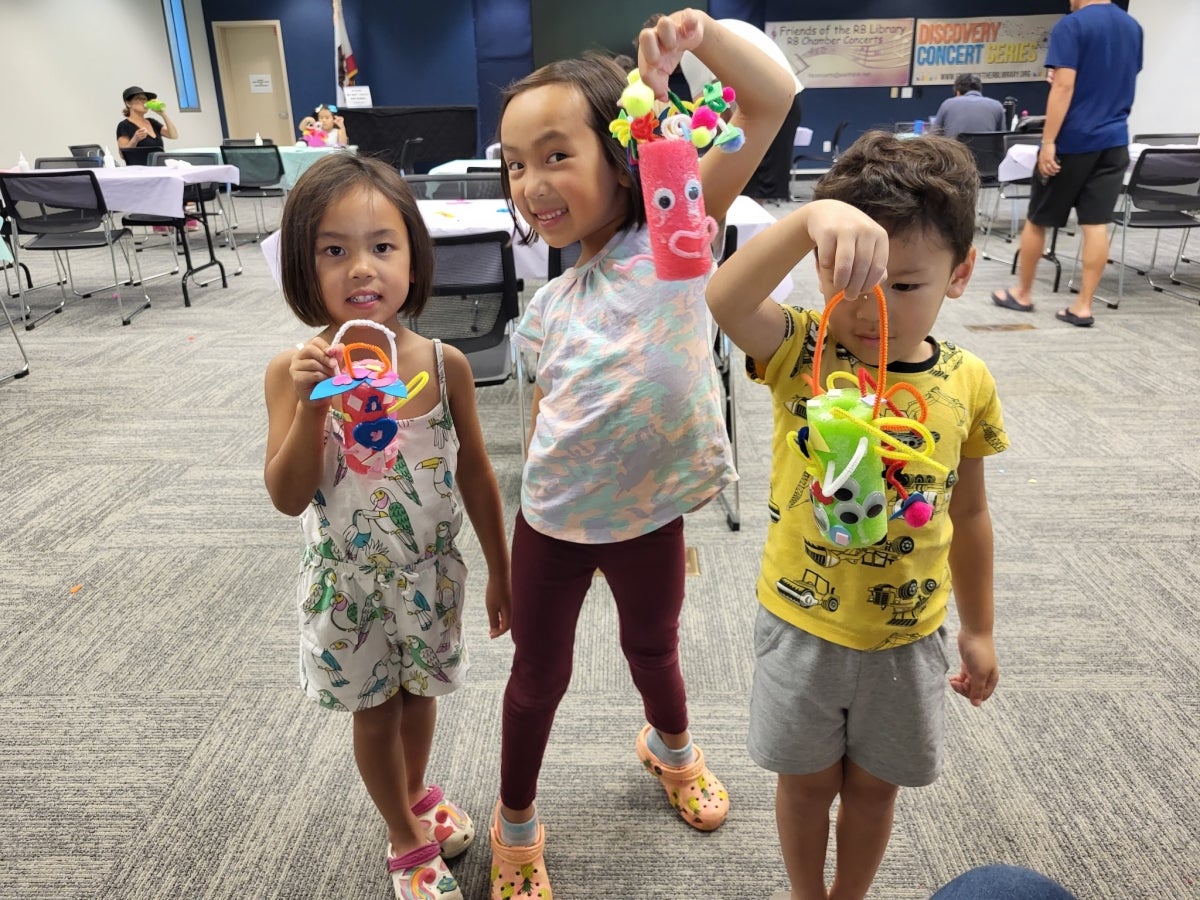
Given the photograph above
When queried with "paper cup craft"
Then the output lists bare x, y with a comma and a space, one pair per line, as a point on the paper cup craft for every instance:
664, 149
371, 392
853, 453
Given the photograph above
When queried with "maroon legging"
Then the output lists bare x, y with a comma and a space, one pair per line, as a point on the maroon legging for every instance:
550, 578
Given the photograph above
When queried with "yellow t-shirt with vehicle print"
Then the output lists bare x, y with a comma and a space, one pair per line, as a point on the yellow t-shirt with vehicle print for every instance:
896, 591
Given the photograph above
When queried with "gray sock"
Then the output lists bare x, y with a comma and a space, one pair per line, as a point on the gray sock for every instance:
518, 834
674, 758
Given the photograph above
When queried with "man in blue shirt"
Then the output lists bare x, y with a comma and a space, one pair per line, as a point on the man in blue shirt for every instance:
1094, 56
969, 110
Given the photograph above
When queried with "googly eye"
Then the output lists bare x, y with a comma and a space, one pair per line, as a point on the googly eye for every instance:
664, 198
848, 513
821, 518
691, 190
874, 504
848, 490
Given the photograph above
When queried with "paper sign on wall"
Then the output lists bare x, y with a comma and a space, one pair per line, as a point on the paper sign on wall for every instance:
358, 96
847, 52
260, 84
1011, 48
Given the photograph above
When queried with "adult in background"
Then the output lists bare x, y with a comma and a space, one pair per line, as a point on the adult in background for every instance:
139, 135
969, 110
771, 179
1095, 54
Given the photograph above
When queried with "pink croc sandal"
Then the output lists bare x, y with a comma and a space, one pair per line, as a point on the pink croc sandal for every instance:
693, 789
519, 872
445, 822
422, 875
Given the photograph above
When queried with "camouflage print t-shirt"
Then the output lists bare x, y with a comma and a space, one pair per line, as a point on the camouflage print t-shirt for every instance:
629, 433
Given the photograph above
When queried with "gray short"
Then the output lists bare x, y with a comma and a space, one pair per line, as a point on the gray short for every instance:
814, 702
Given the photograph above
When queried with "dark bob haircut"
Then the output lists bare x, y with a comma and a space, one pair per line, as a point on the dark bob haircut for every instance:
327, 181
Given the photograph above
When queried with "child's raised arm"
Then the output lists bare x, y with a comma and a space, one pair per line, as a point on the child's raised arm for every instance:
851, 246
764, 93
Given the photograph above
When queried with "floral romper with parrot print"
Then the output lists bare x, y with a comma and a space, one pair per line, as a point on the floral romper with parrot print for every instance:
381, 587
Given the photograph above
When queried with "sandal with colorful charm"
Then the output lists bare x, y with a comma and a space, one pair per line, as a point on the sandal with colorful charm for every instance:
519, 872
421, 874
445, 822
693, 789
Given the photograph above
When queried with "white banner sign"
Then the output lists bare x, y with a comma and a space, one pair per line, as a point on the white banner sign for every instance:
847, 52
995, 49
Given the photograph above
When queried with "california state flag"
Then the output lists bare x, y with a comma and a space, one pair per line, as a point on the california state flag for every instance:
344, 65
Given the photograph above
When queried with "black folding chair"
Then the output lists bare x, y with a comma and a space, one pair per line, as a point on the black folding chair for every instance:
1012, 191
86, 150
64, 211
559, 259
483, 185
198, 196
261, 169
1163, 194
730, 497
474, 302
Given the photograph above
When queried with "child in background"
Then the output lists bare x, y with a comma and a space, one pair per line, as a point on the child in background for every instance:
848, 697
328, 129
627, 428
381, 589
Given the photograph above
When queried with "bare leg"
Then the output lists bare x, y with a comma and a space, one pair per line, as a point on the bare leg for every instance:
1095, 258
416, 734
802, 816
863, 828
379, 752
1033, 245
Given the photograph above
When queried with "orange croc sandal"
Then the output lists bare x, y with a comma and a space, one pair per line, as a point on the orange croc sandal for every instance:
693, 789
444, 822
519, 872
422, 875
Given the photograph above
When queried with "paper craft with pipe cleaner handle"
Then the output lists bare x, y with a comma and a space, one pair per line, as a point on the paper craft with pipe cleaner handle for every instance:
371, 392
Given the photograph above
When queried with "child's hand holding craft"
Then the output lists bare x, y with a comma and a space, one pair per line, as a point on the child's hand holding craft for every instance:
851, 247
312, 364
661, 48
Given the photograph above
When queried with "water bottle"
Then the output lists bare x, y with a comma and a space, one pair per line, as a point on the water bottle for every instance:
919, 126
257, 139
23, 163
109, 162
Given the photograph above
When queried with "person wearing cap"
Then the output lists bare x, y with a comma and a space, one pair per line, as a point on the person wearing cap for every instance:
770, 180
139, 135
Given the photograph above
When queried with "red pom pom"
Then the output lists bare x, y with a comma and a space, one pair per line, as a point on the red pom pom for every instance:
704, 117
642, 128
918, 513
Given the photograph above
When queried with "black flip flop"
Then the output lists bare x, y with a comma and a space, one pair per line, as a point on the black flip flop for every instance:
1008, 301
1065, 315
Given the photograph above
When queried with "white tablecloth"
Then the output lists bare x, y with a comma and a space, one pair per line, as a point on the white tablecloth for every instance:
1020, 160
447, 218
153, 190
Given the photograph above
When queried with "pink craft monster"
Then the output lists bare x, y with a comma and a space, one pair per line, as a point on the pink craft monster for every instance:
680, 230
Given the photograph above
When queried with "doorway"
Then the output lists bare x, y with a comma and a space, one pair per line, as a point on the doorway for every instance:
253, 77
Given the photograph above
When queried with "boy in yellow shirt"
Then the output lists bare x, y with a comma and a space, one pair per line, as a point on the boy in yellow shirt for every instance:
849, 682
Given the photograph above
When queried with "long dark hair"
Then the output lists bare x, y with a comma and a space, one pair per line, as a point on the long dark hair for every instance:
600, 82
